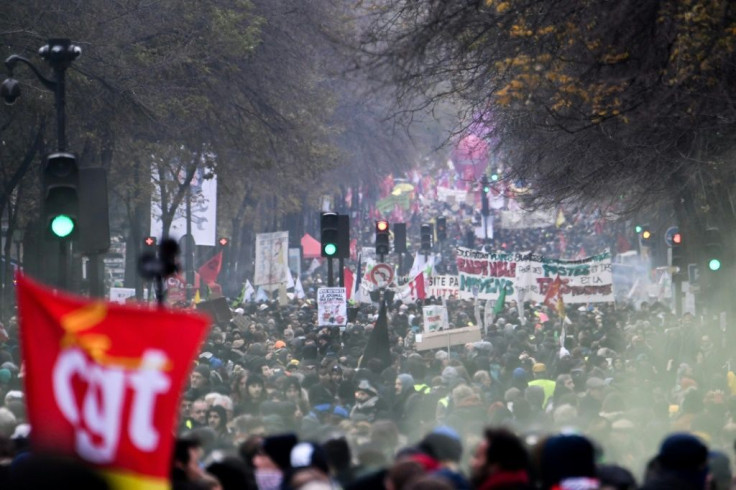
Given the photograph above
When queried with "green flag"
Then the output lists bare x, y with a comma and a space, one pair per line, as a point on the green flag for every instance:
239, 300
498, 308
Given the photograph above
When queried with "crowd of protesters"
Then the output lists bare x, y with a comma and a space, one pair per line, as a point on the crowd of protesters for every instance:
276, 402
616, 396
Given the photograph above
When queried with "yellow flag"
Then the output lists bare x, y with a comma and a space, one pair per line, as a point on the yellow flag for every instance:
197, 297
560, 219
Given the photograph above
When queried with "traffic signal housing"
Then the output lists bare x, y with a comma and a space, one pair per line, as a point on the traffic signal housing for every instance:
149, 244
426, 237
399, 237
329, 234
678, 254
60, 197
441, 228
713, 249
382, 238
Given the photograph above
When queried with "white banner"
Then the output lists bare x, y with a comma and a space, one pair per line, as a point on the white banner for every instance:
272, 259
204, 211
451, 196
528, 276
332, 306
442, 287
435, 318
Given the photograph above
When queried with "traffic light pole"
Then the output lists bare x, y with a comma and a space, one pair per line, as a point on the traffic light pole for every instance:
59, 54
330, 281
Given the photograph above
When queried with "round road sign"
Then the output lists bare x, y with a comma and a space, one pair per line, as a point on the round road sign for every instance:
382, 275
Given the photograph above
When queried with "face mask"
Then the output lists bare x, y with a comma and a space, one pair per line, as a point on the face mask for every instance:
268, 479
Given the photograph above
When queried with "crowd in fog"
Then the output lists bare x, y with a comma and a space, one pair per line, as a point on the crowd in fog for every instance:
623, 395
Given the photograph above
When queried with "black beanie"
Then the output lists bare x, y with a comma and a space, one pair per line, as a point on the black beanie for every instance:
279, 447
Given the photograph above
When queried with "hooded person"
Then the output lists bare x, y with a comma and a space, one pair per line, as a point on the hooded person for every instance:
682, 463
368, 405
404, 396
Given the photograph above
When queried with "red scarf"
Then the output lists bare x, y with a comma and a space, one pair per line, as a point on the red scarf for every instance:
504, 478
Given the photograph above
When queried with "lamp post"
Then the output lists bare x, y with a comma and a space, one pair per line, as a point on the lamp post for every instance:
59, 54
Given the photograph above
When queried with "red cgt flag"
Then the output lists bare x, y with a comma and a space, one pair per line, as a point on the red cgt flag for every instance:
103, 380
209, 271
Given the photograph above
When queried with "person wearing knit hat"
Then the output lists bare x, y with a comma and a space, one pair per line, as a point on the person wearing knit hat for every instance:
278, 449
444, 445
682, 463
568, 461
199, 379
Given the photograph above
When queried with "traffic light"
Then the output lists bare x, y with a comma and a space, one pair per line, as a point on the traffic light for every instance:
60, 182
678, 254
713, 249
441, 228
223, 241
646, 236
485, 188
149, 244
426, 235
328, 237
638, 229
399, 237
382, 246
495, 175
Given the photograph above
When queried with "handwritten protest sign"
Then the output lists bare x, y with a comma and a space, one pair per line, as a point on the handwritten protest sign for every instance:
435, 318
445, 286
332, 306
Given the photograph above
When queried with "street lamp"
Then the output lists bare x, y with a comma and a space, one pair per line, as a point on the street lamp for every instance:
59, 53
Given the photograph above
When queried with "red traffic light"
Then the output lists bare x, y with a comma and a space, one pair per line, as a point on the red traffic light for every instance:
149, 241
223, 241
677, 239
382, 225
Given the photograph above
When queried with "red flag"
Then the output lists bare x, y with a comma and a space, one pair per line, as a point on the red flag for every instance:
347, 277
103, 380
553, 290
209, 271
417, 287
354, 248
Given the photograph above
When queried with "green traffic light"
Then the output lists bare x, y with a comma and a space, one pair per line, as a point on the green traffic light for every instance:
62, 225
714, 264
494, 177
486, 190
638, 229
330, 249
